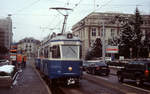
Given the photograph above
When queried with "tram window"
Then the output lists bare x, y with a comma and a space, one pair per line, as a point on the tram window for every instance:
80, 51
69, 51
46, 52
41, 54
55, 51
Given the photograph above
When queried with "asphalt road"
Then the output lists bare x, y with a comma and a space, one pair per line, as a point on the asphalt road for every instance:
95, 84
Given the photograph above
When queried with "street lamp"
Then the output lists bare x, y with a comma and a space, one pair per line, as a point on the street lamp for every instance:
103, 43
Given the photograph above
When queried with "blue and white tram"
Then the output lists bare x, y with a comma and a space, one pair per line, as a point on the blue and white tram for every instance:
62, 59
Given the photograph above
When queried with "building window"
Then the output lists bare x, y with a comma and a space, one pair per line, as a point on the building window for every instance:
112, 33
26, 46
93, 31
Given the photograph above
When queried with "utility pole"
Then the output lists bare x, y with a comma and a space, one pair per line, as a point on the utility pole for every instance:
103, 43
65, 16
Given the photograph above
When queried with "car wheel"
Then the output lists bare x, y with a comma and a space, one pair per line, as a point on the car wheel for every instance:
106, 74
139, 82
120, 78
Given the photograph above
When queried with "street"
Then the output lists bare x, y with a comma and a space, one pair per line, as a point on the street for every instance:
95, 84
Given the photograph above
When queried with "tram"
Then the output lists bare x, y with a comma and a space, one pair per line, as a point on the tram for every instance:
59, 59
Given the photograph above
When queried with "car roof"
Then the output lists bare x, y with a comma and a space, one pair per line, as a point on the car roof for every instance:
140, 61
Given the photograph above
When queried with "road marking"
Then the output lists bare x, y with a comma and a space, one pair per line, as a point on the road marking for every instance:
137, 88
102, 78
97, 76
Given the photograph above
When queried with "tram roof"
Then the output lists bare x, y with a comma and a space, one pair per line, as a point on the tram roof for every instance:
63, 37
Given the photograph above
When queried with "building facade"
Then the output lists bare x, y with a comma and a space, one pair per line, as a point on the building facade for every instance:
28, 46
6, 32
91, 27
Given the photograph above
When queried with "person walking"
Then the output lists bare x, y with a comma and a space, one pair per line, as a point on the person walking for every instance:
19, 61
24, 61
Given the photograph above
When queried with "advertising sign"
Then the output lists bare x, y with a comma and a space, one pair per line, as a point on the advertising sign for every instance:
112, 49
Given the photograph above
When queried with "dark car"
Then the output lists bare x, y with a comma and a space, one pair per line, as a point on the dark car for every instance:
98, 67
135, 70
85, 65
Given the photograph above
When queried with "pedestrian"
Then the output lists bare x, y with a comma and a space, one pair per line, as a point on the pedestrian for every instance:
24, 61
19, 61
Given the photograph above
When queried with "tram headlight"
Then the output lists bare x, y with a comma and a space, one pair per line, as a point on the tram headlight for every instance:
69, 36
70, 68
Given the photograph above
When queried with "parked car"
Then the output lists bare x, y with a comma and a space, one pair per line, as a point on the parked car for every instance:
135, 70
85, 65
4, 62
98, 67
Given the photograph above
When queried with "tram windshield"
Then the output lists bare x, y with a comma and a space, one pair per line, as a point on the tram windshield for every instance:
69, 51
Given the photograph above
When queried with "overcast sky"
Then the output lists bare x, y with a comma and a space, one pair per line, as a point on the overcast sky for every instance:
32, 18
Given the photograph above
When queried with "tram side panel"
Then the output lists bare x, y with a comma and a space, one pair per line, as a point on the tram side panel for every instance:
62, 69
37, 63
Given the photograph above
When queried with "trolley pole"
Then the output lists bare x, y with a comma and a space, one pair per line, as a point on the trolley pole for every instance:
64, 24
65, 16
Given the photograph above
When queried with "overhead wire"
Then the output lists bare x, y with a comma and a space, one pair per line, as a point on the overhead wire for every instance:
103, 5
22, 9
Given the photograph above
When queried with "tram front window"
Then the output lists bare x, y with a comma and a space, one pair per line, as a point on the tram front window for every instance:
70, 51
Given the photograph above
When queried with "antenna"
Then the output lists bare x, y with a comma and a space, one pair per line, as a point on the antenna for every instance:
65, 16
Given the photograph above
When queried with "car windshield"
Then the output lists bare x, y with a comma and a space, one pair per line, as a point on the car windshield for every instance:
101, 63
85, 63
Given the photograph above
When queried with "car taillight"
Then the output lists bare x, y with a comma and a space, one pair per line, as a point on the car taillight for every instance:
146, 73
97, 68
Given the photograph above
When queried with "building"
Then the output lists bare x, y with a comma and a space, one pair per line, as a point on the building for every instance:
91, 27
28, 46
6, 32
5, 36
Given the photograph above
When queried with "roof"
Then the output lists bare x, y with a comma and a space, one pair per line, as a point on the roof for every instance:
64, 37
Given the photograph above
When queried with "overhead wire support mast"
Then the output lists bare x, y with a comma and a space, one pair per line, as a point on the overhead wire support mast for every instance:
65, 16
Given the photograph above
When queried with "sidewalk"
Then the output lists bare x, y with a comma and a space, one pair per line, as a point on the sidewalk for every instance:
27, 82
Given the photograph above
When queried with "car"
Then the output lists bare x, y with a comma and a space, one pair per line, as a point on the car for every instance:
4, 62
138, 70
98, 67
85, 65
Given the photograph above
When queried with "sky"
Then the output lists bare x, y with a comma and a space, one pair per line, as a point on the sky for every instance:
34, 18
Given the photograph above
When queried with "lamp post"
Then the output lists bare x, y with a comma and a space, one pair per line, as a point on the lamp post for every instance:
103, 42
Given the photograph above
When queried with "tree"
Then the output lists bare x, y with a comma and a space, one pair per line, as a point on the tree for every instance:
97, 48
131, 36
89, 55
115, 41
144, 51
95, 51
137, 20
127, 39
